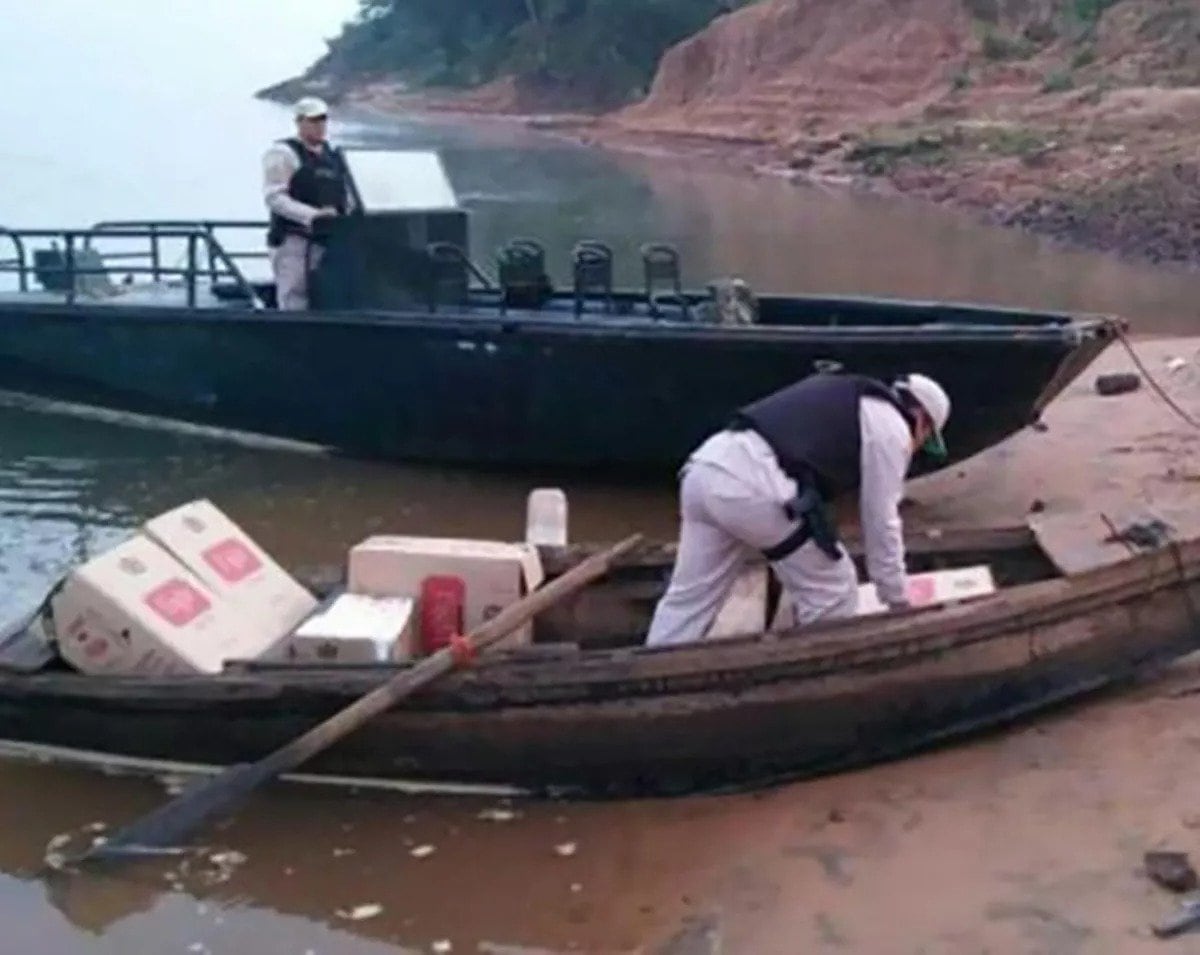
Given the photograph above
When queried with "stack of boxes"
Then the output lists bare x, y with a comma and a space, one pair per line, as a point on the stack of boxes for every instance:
191, 591
186, 593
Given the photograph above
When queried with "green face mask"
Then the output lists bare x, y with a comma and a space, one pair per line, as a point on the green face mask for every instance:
935, 447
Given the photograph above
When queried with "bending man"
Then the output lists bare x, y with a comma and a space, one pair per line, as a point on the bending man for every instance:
763, 484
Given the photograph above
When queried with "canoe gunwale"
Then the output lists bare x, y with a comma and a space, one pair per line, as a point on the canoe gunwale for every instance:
556, 676
949, 541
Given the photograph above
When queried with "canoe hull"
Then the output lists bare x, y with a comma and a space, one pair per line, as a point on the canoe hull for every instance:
635, 722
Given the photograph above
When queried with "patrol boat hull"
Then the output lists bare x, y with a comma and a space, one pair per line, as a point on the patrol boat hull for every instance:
470, 386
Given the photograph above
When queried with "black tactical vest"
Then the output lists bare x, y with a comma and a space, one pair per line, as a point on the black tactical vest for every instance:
812, 426
320, 181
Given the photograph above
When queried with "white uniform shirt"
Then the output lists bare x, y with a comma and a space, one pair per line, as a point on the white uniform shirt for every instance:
279, 164
886, 456
884, 462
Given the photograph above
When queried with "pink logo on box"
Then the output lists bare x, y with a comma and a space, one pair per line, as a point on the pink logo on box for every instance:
94, 649
232, 560
920, 590
177, 602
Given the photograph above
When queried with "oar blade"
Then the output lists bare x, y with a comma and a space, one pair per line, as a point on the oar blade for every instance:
170, 824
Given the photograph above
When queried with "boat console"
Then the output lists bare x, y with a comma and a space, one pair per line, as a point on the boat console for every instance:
408, 245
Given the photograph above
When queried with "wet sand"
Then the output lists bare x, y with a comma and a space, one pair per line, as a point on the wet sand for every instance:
1031, 841
1095, 452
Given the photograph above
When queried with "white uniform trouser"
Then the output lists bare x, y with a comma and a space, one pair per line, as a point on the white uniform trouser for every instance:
290, 268
728, 518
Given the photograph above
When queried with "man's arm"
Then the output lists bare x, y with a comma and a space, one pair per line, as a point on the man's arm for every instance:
886, 454
279, 163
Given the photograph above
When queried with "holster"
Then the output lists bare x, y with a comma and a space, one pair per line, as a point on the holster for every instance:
808, 509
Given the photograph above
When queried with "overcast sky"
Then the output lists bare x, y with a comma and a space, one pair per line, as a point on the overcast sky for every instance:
129, 108
227, 45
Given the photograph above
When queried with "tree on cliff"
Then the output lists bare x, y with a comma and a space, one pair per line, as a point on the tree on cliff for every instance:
604, 51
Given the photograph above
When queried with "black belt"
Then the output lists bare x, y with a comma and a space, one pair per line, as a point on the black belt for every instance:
789, 545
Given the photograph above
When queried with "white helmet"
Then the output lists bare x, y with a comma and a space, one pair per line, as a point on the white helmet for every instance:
933, 398
310, 107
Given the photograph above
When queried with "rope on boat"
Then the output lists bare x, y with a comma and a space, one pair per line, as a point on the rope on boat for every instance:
1121, 336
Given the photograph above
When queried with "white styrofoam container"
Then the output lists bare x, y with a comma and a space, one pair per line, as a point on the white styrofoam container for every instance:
745, 608
933, 587
353, 628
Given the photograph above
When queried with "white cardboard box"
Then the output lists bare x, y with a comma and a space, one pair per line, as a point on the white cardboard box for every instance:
353, 629
135, 609
495, 574
230, 563
745, 609
933, 587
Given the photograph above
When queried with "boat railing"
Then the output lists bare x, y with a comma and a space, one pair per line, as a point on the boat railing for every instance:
158, 228
15, 264
60, 269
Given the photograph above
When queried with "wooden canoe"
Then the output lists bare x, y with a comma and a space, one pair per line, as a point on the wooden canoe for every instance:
588, 711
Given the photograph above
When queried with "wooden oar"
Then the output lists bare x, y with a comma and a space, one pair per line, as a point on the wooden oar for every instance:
168, 825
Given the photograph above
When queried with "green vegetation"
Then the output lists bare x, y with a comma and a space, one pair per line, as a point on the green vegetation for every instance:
1058, 82
884, 150
603, 51
1000, 46
1089, 11
1083, 58
1074, 19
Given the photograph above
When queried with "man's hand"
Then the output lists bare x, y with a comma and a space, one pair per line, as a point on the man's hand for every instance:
320, 225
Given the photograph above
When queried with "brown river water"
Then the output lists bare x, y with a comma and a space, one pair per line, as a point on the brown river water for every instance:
916, 857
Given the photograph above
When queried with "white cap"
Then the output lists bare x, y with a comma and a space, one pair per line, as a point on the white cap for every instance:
310, 106
936, 402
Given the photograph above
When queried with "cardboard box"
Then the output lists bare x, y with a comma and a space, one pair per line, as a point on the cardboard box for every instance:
353, 629
224, 557
745, 609
495, 574
934, 587
137, 610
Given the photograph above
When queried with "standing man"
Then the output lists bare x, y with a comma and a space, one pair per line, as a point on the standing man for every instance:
305, 182
764, 483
